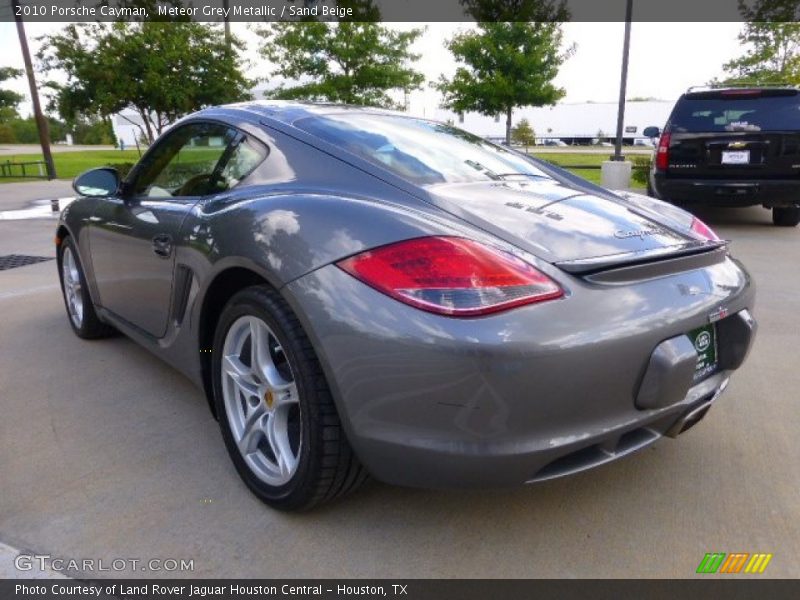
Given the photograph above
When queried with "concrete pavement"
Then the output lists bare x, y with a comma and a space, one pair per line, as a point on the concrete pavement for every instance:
105, 452
15, 196
9, 570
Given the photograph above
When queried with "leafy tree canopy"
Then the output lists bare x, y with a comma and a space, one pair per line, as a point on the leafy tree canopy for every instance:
25, 131
771, 37
160, 70
523, 134
8, 98
355, 63
503, 66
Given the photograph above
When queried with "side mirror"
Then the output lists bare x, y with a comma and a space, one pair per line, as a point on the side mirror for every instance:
651, 132
97, 183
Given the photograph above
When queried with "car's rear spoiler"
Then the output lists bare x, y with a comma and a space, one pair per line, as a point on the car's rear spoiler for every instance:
586, 266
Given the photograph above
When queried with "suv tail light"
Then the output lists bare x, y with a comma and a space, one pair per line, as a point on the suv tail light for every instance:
703, 230
662, 153
451, 276
740, 93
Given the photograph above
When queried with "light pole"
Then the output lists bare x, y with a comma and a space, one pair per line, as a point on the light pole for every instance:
41, 122
225, 5
623, 83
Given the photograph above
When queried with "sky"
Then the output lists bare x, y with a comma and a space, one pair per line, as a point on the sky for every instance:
665, 58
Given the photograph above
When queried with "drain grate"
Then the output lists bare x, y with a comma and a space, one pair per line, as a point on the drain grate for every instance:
12, 261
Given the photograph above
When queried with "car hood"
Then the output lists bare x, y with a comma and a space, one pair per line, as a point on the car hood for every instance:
558, 223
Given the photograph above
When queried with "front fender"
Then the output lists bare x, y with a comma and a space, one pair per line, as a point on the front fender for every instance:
73, 221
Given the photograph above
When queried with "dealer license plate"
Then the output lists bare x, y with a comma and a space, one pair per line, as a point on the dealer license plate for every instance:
738, 157
705, 343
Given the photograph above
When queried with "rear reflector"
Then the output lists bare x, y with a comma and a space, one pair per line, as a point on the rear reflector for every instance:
451, 276
703, 230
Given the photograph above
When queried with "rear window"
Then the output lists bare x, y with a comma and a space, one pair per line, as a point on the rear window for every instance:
771, 111
423, 152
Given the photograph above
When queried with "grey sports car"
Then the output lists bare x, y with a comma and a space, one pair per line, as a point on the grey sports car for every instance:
358, 291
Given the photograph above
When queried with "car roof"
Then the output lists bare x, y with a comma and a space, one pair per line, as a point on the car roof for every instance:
289, 111
699, 92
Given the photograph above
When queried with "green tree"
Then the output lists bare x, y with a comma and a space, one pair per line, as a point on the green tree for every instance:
7, 134
354, 63
771, 36
503, 66
8, 98
93, 130
161, 70
524, 134
25, 131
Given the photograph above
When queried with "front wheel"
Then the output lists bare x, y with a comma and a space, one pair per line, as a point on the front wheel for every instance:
275, 409
786, 216
80, 309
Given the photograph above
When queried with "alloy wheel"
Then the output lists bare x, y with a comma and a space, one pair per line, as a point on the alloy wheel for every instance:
72, 287
261, 400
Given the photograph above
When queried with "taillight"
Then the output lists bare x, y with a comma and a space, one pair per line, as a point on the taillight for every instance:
703, 230
741, 92
662, 153
451, 276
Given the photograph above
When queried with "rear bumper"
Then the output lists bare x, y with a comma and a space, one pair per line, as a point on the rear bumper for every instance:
526, 395
715, 192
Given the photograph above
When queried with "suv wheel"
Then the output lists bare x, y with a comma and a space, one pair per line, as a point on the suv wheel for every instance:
786, 216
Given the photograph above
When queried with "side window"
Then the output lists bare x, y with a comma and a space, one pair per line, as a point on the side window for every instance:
185, 163
245, 157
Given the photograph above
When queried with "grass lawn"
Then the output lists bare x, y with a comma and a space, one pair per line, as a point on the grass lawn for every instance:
568, 159
70, 164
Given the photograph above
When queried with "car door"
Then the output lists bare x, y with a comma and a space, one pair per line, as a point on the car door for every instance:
133, 235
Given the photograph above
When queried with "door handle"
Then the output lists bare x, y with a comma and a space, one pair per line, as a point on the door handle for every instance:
162, 245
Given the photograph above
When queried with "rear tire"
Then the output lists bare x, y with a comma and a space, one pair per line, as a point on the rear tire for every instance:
276, 413
80, 308
786, 216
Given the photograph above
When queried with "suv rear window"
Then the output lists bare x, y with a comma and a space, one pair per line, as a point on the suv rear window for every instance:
739, 110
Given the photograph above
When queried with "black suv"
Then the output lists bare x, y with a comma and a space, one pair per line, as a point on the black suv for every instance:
732, 146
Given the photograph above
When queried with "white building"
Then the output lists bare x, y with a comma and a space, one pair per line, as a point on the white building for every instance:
566, 121
125, 127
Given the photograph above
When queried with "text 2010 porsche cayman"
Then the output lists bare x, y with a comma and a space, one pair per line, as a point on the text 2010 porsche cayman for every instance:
358, 291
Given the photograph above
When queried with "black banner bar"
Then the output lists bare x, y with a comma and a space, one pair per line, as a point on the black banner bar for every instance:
711, 587
218, 11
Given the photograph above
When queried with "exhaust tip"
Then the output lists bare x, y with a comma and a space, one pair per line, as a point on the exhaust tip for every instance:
691, 418
694, 419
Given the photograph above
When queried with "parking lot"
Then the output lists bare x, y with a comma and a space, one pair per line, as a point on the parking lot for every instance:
105, 453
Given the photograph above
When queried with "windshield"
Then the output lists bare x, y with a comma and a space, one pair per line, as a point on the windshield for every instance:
420, 151
736, 113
